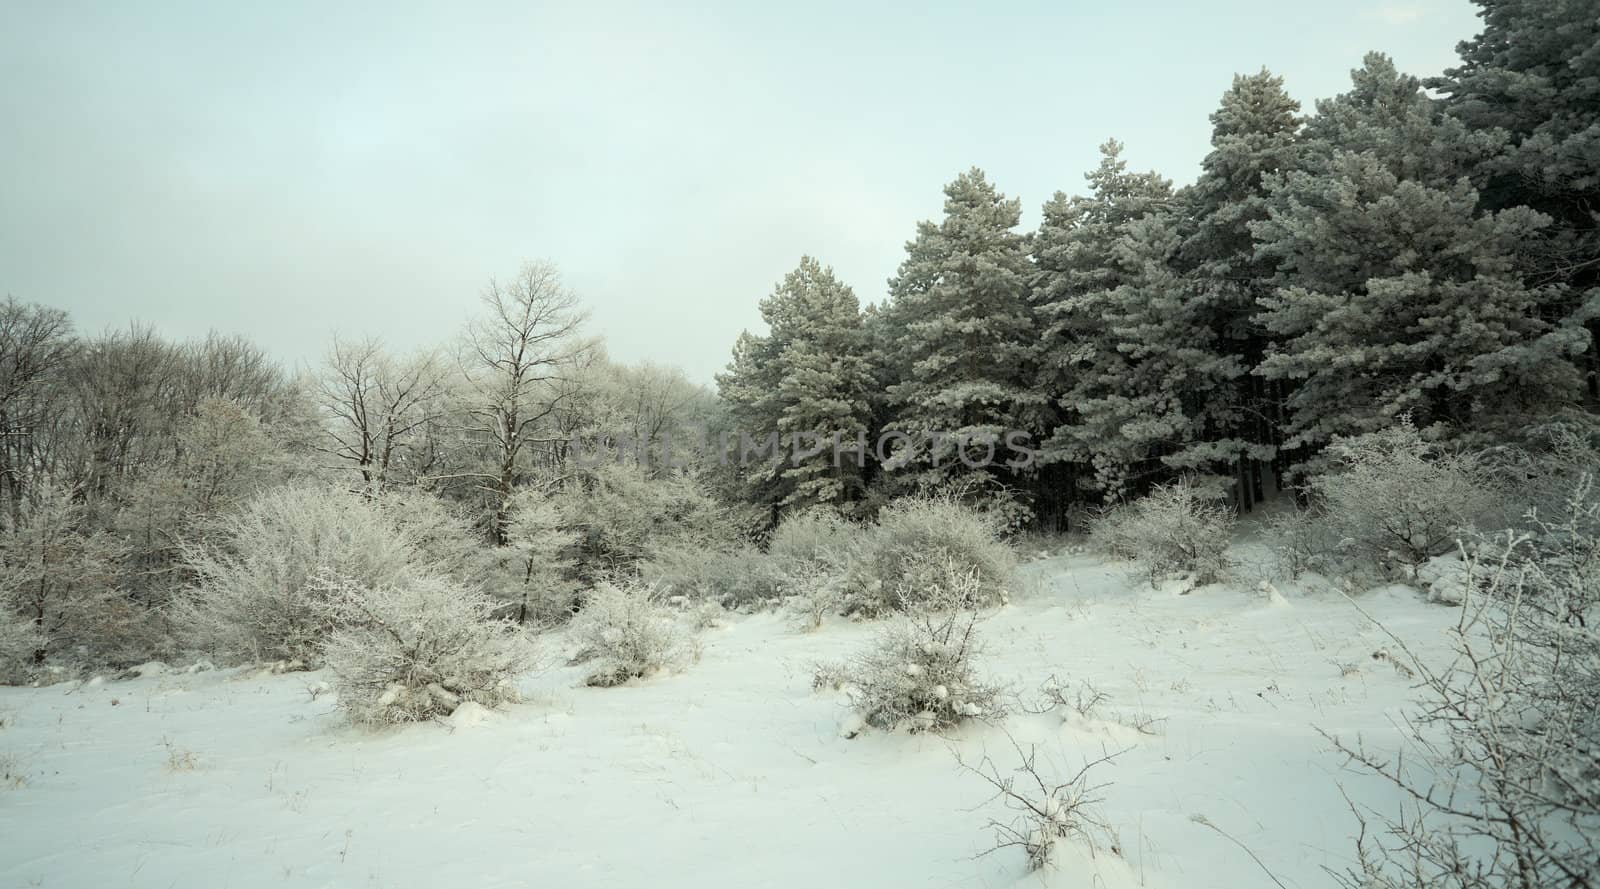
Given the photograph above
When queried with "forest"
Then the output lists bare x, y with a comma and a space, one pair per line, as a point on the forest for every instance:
1365, 341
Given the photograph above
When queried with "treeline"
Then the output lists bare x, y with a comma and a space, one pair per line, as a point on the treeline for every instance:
1422, 248
131, 466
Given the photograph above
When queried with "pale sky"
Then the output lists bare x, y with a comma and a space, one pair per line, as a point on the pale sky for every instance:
286, 170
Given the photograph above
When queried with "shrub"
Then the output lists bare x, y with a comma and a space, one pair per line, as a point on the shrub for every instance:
622, 513
1174, 530
816, 541
628, 629
919, 673
1302, 540
441, 537
1511, 795
926, 544
736, 578
1397, 500
1044, 813
417, 649
19, 641
253, 598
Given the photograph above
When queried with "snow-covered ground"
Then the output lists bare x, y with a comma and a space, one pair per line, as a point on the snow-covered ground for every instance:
733, 773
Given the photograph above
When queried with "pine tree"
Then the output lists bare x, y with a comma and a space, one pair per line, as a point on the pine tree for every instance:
1533, 77
1147, 408
963, 338
1255, 133
1079, 363
806, 380
1397, 294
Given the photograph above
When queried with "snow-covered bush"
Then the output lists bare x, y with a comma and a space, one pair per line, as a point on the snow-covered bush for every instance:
732, 578
814, 549
1397, 500
919, 675
440, 535
814, 541
1175, 530
417, 649
1511, 797
1302, 540
253, 598
632, 634
19, 642
922, 545
622, 513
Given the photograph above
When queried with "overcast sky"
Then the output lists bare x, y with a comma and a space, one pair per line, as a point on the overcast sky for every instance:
286, 170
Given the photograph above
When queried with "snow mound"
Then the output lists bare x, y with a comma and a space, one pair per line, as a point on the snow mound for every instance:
1446, 578
468, 715
146, 671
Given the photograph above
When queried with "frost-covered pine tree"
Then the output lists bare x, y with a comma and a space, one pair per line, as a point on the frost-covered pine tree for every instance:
808, 376
1255, 133
1397, 294
1533, 76
961, 331
1081, 367
1154, 409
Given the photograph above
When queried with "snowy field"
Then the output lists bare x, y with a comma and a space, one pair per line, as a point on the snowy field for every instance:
734, 773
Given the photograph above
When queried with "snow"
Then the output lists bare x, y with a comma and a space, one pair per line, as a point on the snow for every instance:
734, 772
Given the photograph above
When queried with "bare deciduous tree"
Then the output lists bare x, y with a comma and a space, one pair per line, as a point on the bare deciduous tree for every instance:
35, 345
518, 361
378, 405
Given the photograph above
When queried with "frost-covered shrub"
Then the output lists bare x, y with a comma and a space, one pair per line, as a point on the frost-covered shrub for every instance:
732, 578
1396, 500
441, 536
1044, 813
19, 641
922, 545
417, 649
622, 513
1302, 540
632, 634
814, 541
1175, 530
919, 674
1510, 796
253, 598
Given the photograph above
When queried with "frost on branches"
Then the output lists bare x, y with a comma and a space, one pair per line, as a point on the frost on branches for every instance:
921, 546
919, 674
630, 632
1503, 770
1397, 500
417, 649
254, 599
1173, 531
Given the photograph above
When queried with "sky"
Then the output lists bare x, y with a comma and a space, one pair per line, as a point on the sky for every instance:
294, 170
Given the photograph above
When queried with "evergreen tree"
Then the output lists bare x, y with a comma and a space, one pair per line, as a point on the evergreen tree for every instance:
1533, 77
807, 379
1080, 364
1398, 295
1255, 134
962, 335
1148, 407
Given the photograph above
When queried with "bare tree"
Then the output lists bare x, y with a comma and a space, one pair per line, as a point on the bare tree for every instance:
519, 362
378, 405
35, 345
